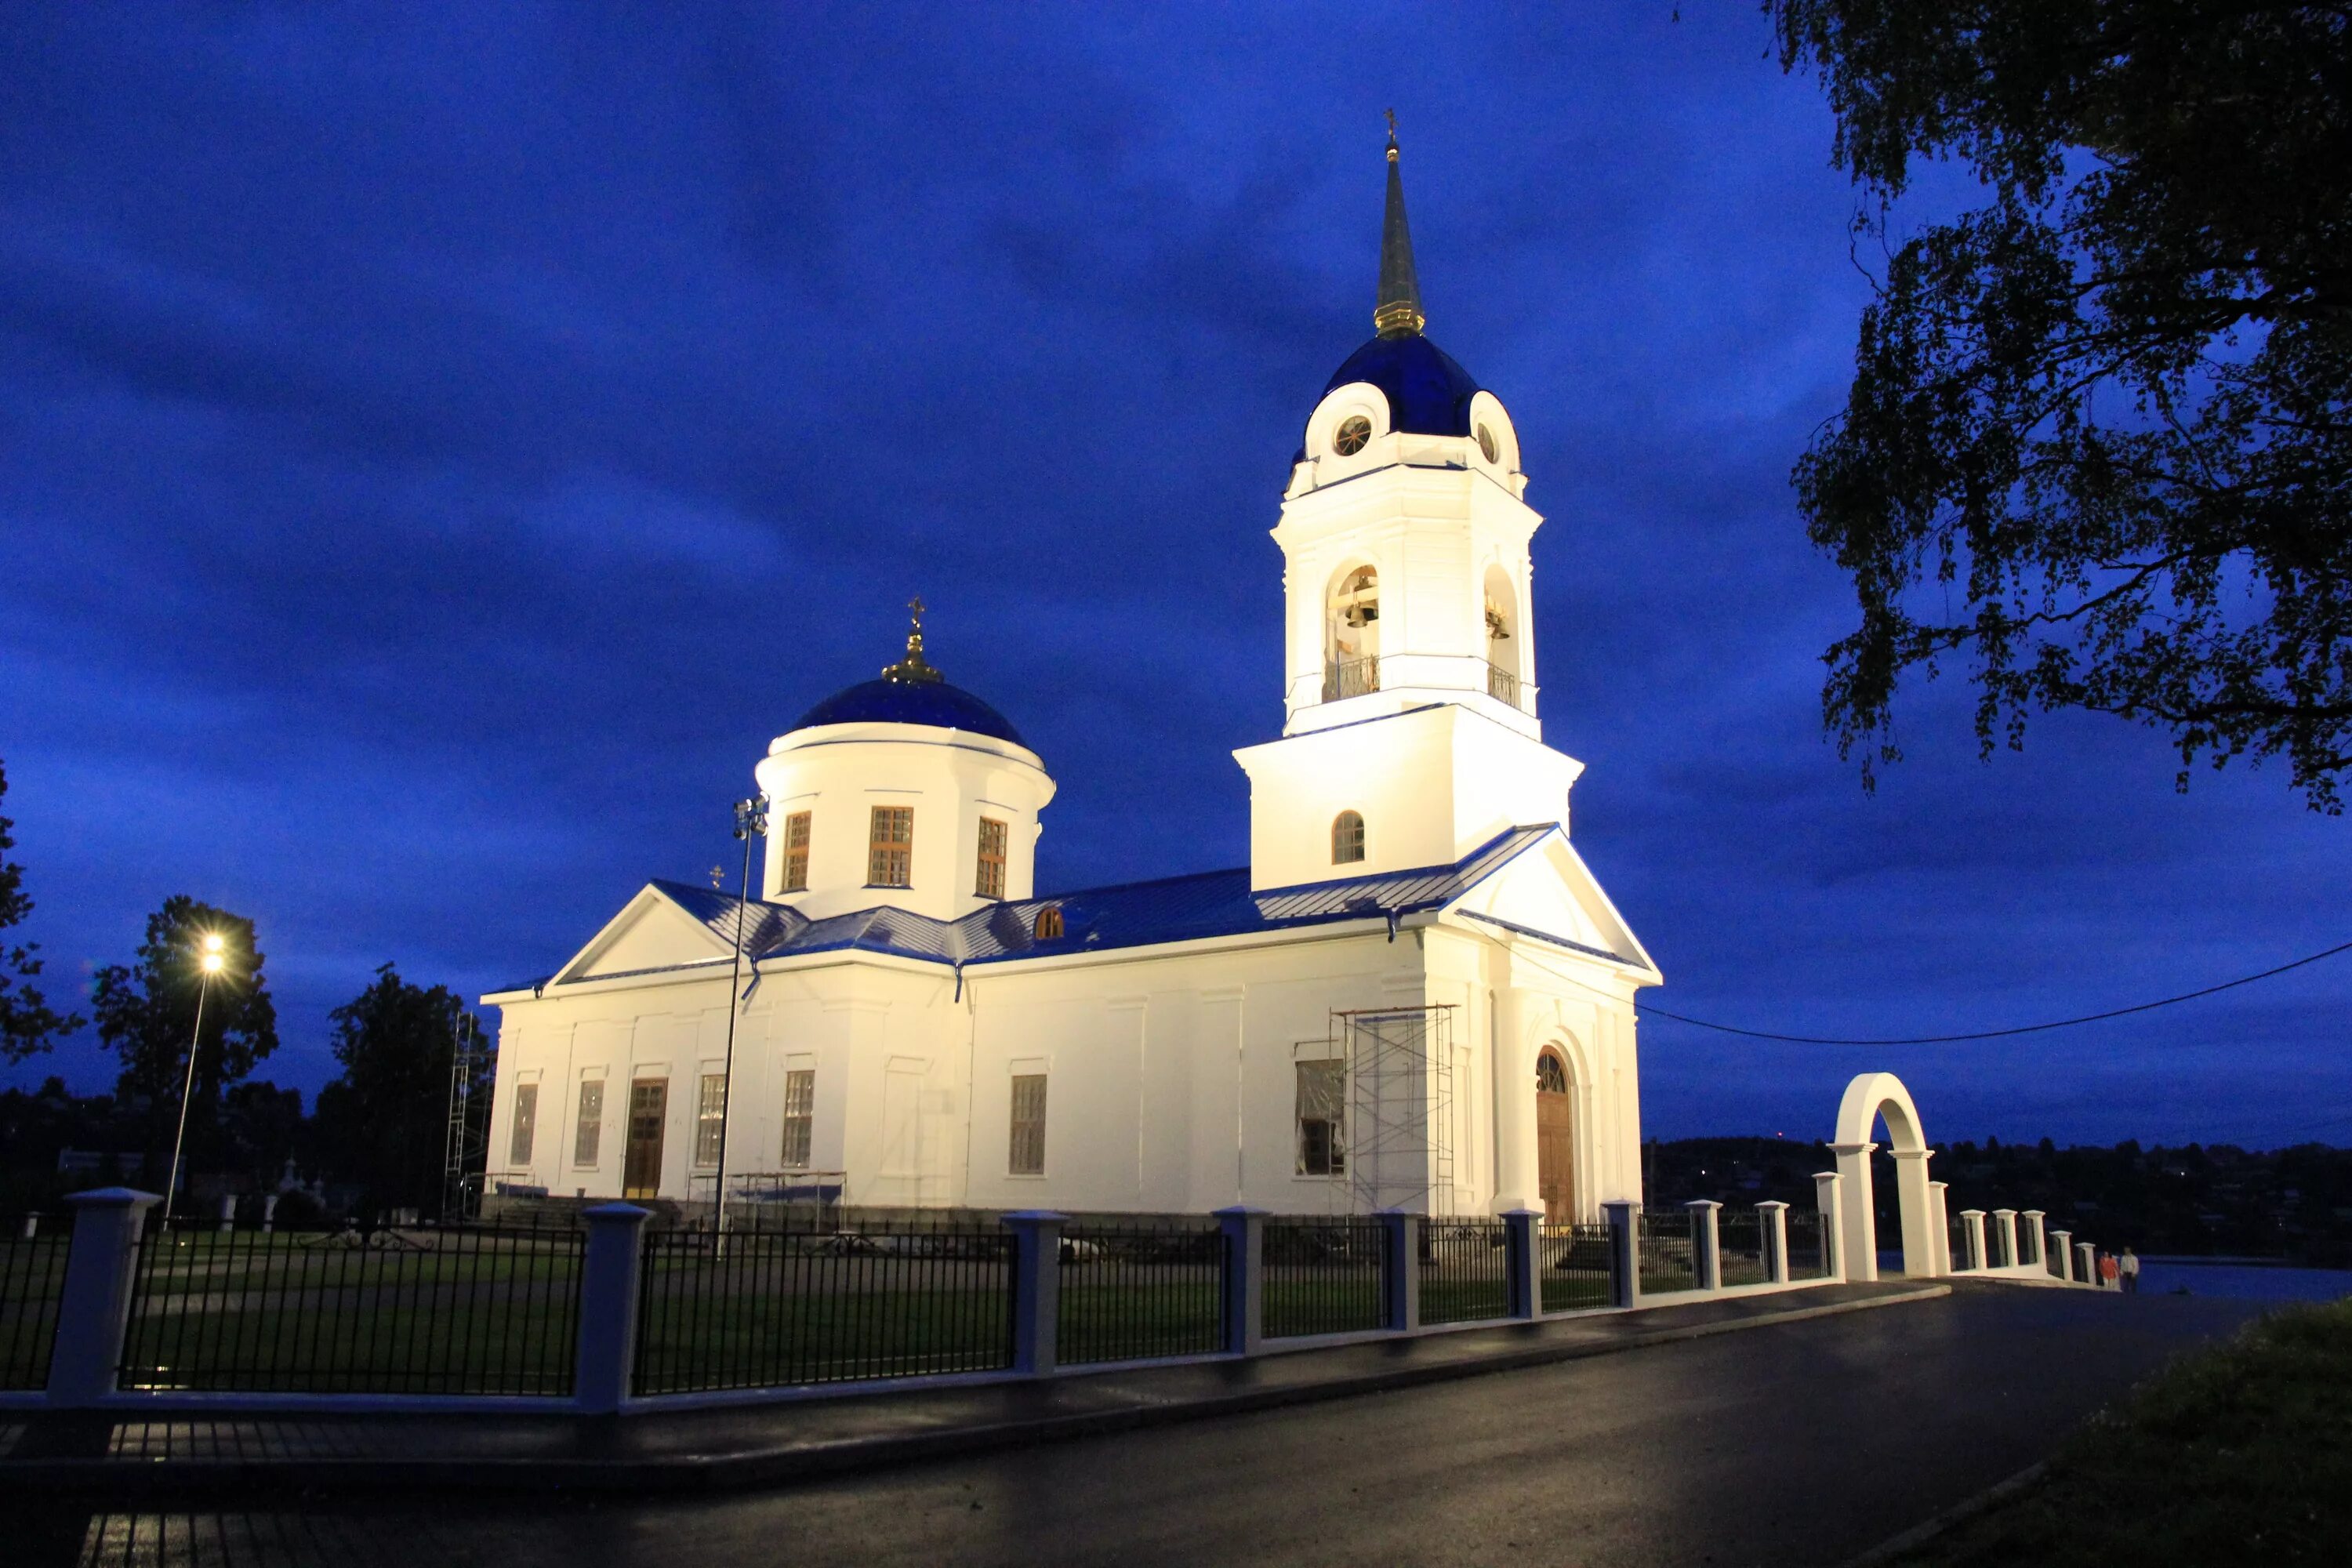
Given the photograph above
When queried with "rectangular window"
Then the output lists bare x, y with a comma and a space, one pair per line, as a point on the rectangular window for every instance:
990, 883
890, 855
590, 1134
1323, 1118
1028, 1151
710, 1118
796, 843
799, 1116
526, 1120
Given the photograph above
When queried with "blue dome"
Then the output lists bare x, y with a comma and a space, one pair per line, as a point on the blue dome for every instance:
1428, 393
934, 702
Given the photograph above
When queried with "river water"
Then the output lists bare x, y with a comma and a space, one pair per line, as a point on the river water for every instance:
2244, 1281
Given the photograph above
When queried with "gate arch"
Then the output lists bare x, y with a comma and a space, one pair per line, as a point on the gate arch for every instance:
1870, 1096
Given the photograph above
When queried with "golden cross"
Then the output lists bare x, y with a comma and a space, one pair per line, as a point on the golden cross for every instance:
916, 605
1391, 124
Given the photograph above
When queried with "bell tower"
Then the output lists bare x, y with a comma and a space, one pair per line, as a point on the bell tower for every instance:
1409, 688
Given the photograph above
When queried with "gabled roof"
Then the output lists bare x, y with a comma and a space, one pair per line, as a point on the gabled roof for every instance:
1098, 920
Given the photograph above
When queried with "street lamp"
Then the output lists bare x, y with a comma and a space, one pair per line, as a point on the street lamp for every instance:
751, 821
209, 960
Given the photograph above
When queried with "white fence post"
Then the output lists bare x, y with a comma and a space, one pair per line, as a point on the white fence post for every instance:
228, 1213
2087, 1264
1940, 1223
1401, 1271
1829, 1202
1245, 1278
1772, 1219
1523, 1260
2004, 1236
2064, 1240
2033, 1232
1624, 1252
606, 1348
94, 1309
1707, 1248
1036, 1289
269, 1213
1972, 1231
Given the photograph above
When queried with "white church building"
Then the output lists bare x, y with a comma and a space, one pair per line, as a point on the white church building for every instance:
1415, 994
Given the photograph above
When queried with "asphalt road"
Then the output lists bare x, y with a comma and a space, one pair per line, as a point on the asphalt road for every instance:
1803, 1444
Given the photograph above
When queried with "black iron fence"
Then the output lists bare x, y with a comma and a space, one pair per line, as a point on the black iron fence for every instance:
474, 1311
1997, 1244
1323, 1276
779, 1308
1465, 1274
1739, 1246
2028, 1242
1668, 1261
32, 1276
1577, 1267
1132, 1290
1962, 1258
1808, 1244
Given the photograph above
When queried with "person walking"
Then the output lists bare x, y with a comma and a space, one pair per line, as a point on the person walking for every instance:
2128, 1268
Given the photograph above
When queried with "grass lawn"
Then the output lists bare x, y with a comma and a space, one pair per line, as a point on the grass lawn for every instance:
2241, 1453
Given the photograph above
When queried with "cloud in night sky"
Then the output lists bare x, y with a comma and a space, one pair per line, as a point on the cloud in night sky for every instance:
440, 448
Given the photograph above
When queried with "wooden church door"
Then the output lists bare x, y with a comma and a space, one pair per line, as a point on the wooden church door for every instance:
648, 1108
1555, 1140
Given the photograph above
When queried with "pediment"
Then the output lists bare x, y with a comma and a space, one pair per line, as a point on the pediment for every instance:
1550, 892
650, 933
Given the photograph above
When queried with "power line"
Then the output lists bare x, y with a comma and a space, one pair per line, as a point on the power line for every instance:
1998, 1034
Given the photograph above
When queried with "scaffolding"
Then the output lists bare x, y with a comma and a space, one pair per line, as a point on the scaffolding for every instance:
466, 1145
1400, 1130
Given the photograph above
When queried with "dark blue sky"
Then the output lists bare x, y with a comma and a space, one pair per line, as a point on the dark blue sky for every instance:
438, 452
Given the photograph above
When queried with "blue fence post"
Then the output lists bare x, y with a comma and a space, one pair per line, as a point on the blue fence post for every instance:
1624, 1252
94, 1309
605, 1352
1400, 1271
1244, 1279
1707, 1248
1036, 1289
1772, 1220
1523, 1257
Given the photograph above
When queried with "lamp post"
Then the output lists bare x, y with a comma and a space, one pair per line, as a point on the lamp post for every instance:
751, 821
209, 960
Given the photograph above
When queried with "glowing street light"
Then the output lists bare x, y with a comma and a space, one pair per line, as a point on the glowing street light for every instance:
210, 956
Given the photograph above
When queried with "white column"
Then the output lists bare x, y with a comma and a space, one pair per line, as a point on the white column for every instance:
605, 1351
1972, 1225
1515, 1103
1829, 1200
94, 1307
1773, 1217
1707, 1248
1244, 1279
1915, 1208
228, 1214
2087, 1264
1859, 1240
2032, 1231
1036, 1288
2004, 1222
1401, 1271
1939, 1221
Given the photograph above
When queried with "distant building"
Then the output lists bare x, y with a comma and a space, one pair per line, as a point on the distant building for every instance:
1415, 994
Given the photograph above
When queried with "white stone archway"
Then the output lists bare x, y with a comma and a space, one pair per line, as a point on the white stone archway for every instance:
1871, 1096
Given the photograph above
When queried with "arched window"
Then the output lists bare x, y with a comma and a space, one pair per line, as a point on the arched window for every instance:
1049, 922
1552, 1073
1351, 635
1346, 838
1505, 646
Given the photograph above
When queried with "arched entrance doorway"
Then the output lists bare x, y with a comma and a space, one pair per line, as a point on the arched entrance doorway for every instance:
1555, 1138
1869, 1098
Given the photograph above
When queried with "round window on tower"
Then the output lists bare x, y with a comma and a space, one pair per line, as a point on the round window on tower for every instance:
1355, 433
1487, 444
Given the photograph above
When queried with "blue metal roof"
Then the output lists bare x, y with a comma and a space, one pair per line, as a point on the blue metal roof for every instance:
934, 702
1429, 393
1099, 920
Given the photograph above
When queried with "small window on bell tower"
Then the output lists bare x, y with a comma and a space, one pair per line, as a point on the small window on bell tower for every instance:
1348, 839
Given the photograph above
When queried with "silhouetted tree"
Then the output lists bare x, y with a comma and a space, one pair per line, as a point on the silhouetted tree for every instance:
2098, 445
27, 1021
384, 1122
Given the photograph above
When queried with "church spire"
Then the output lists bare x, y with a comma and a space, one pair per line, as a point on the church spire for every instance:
1398, 311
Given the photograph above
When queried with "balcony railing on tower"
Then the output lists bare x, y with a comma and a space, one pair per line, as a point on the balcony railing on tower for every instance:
1502, 685
1351, 678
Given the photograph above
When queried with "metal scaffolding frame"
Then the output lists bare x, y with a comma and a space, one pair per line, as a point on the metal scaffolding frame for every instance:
1399, 1107
466, 1145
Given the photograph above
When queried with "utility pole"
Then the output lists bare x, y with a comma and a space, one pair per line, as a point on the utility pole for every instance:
751, 821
